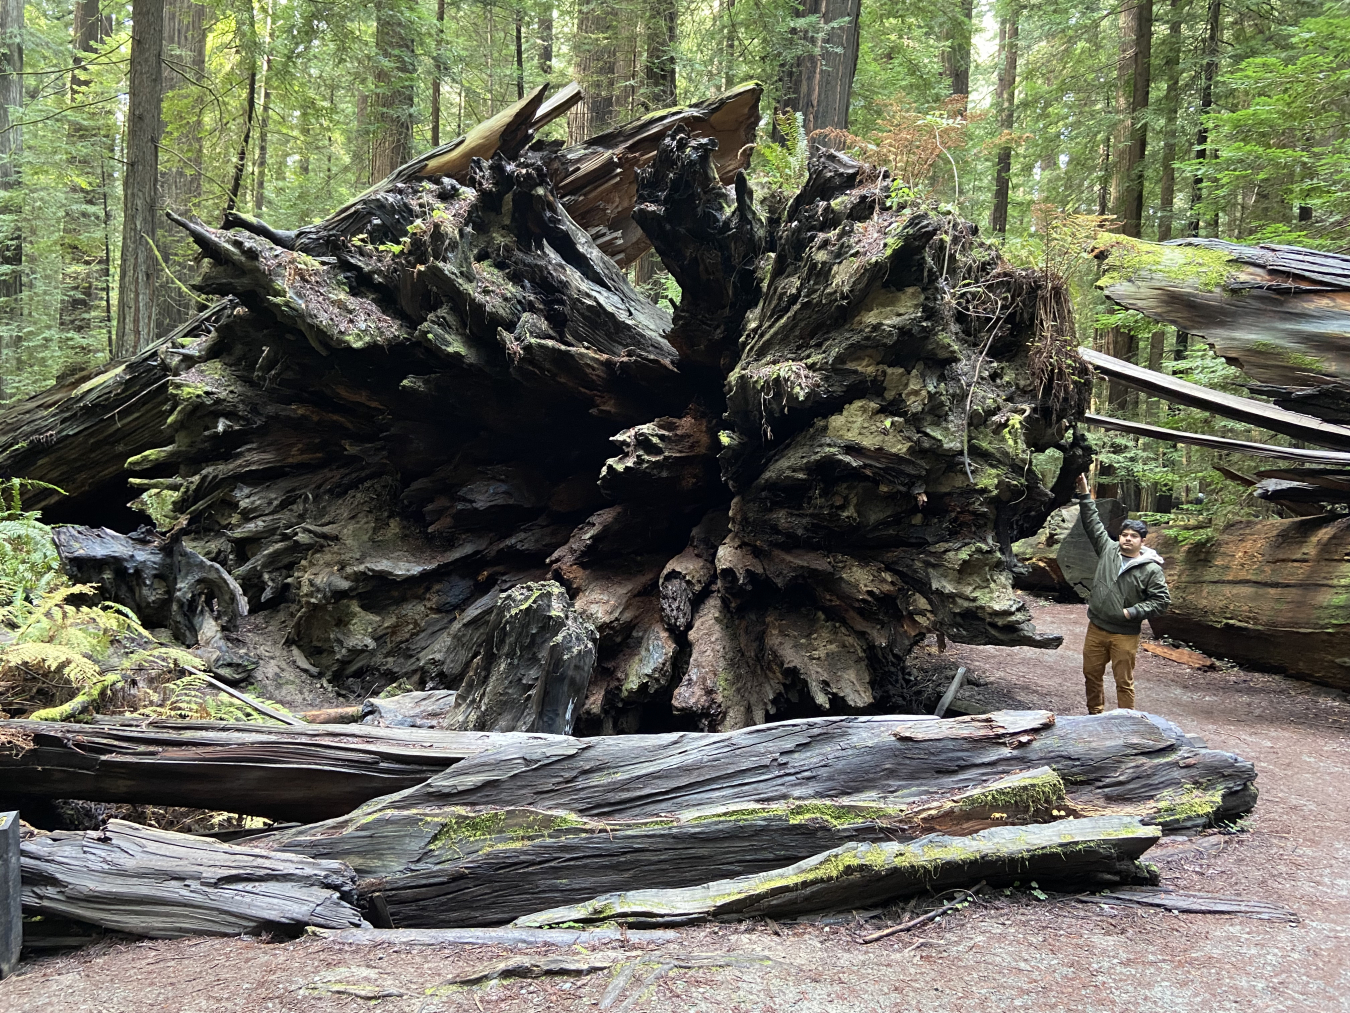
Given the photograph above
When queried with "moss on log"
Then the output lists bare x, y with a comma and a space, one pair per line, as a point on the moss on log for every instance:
1070, 854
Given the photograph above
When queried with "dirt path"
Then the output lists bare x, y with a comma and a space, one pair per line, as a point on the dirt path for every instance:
1013, 952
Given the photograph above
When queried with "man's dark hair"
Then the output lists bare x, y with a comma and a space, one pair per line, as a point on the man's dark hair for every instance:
1138, 527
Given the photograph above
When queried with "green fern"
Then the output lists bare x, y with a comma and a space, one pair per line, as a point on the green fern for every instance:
783, 165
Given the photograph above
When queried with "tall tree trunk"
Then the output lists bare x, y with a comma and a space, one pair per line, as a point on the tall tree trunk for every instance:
520, 55
438, 69
662, 34
84, 264
140, 268
956, 57
1171, 74
545, 32
1136, 40
819, 83
594, 54
11, 147
180, 181
1006, 103
391, 107
1207, 73
264, 116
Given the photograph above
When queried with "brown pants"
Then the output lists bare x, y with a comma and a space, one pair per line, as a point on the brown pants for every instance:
1099, 647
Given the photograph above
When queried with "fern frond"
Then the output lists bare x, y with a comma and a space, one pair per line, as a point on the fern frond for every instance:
53, 658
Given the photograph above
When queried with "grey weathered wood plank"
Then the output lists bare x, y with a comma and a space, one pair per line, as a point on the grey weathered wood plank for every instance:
165, 885
1218, 442
11, 915
1256, 413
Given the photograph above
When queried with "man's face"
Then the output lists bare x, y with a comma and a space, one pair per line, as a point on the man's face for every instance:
1130, 542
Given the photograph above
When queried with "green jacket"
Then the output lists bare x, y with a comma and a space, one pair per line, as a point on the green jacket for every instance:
1140, 587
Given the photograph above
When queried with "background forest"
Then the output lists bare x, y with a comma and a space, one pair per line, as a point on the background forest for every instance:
1158, 118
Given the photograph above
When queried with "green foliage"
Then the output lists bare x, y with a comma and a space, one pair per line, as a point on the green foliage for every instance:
782, 165
29, 563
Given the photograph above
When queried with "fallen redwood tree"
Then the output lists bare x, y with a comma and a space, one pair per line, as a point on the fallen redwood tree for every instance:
755, 508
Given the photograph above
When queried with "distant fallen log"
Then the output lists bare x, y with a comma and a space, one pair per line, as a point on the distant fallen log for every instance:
1069, 854
293, 773
1267, 594
165, 885
1277, 312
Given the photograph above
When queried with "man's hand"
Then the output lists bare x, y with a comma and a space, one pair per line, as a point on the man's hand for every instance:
1082, 485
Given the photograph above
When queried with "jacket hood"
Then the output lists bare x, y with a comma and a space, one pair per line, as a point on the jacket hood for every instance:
1146, 555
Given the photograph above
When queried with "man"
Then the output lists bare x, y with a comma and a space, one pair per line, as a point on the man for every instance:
1128, 588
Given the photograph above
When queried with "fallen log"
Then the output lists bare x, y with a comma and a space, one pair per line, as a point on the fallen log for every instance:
292, 773
1277, 312
165, 885
487, 866
1266, 594
1068, 854
1117, 760
532, 828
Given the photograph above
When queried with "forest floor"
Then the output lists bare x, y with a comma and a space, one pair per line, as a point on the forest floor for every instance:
1005, 952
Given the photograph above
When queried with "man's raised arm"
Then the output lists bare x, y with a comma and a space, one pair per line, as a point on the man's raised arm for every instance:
1092, 524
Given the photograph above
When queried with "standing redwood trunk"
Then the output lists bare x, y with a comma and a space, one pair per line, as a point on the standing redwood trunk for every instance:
391, 104
264, 115
139, 268
180, 181
594, 59
1206, 101
1136, 25
956, 57
1171, 75
545, 33
1006, 101
662, 33
819, 83
438, 65
11, 147
84, 264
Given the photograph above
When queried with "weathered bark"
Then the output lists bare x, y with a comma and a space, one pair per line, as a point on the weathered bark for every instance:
1069, 855
1005, 97
139, 270
166, 885
535, 666
1265, 593
290, 773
